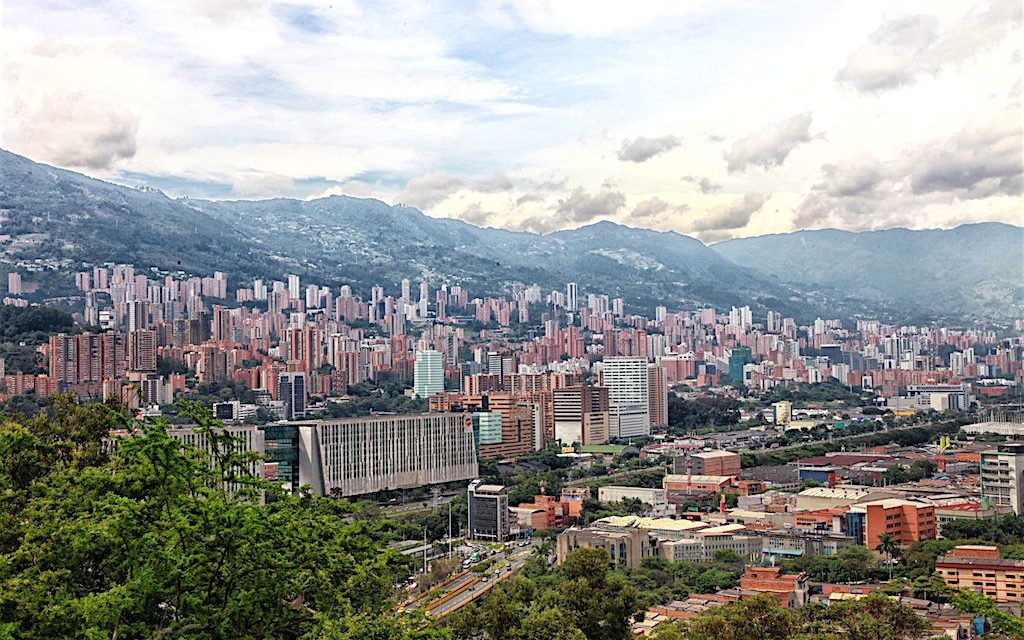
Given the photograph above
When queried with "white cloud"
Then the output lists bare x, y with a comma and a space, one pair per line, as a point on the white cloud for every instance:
905, 48
770, 146
428, 190
581, 207
270, 98
263, 185
642, 149
727, 218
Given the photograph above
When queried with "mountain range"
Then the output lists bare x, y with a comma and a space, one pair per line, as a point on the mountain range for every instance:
69, 219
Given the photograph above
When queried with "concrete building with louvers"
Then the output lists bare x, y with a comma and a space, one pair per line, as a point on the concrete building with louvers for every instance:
356, 456
1002, 476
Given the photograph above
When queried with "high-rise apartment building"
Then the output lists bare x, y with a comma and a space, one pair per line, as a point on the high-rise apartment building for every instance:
428, 373
657, 395
628, 398
1002, 476
138, 315
14, 286
581, 414
86, 358
572, 294
142, 350
291, 389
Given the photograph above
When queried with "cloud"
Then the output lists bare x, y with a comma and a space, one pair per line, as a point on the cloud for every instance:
72, 130
977, 162
263, 185
982, 160
850, 192
475, 215
538, 224
430, 189
223, 11
547, 184
704, 185
770, 146
528, 197
731, 216
643, 149
901, 50
887, 61
580, 206
650, 210
356, 188
497, 183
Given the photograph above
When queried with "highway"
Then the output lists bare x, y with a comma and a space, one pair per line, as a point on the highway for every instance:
471, 585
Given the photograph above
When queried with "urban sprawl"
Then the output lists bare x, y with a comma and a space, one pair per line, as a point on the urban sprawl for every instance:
697, 435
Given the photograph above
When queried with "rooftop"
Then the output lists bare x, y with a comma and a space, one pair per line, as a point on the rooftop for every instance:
720, 453
966, 561
842, 493
696, 479
664, 524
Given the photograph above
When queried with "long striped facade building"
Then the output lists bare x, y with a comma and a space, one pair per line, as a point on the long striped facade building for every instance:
357, 456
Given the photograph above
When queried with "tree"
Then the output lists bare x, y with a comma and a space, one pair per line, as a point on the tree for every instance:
757, 618
870, 618
981, 605
151, 538
583, 599
929, 587
874, 617
890, 548
714, 580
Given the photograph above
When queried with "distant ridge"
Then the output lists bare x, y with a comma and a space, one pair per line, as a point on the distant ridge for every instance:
70, 218
975, 269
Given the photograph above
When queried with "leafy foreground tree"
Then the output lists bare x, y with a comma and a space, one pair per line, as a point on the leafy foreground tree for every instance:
583, 599
874, 617
153, 539
1002, 622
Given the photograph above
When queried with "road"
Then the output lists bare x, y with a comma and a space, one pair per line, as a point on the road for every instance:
470, 586
423, 506
613, 476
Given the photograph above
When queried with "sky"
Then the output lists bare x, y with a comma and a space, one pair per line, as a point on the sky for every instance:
717, 119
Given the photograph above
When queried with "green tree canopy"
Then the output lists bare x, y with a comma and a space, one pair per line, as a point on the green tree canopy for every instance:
144, 537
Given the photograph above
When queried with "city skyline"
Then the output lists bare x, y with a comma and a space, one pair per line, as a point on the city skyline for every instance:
532, 118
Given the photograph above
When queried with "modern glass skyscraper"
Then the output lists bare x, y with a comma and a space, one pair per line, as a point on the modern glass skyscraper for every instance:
628, 399
428, 373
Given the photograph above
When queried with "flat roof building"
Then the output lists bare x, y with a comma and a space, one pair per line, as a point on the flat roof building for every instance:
488, 513
1002, 476
980, 569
